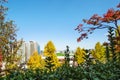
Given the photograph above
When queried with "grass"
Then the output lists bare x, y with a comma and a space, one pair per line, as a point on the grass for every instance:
60, 54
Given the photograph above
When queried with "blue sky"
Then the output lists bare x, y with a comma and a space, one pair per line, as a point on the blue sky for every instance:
55, 20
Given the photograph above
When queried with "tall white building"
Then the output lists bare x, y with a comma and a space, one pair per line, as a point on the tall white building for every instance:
27, 49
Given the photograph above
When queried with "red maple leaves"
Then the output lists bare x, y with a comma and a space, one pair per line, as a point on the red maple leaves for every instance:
99, 22
79, 27
111, 15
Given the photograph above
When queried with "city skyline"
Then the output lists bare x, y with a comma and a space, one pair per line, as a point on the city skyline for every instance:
55, 20
27, 49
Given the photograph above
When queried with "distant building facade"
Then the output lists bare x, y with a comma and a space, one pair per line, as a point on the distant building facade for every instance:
27, 49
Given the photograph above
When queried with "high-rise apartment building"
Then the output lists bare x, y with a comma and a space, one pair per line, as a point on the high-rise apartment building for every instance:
27, 49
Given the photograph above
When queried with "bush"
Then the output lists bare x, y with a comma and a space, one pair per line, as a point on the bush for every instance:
99, 71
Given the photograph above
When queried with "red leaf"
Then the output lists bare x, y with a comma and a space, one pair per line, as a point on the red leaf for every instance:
84, 35
79, 27
78, 40
109, 13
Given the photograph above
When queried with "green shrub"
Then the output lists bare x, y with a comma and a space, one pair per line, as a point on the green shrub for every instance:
98, 71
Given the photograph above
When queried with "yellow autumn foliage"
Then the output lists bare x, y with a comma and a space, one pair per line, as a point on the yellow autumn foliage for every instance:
99, 53
79, 55
13, 63
35, 61
49, 51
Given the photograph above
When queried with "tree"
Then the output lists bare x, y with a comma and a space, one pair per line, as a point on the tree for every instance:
35, 61
67, 56
109, 19
116, 32
117, 46
0, 60
117, 39
79, 55
8, 42
112, 43
99, 53
113, 46
51, 60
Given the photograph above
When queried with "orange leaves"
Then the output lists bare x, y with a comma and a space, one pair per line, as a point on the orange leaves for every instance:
99, 22
111, 15
94, 20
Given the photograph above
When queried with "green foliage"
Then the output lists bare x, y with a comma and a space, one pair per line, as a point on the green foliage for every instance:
88, 59
49, 63
112, 42
86, 71
67, 56
107, 52
60, 54
98, 71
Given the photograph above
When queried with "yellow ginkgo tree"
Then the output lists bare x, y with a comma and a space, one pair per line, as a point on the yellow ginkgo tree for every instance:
79, 55
99, 53
35, 61
51, 60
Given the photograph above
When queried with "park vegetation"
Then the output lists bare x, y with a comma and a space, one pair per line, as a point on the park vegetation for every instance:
100, 63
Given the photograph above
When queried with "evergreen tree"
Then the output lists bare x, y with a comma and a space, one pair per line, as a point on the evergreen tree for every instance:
113, 47
117, 46
111, 38
51, 60
107, 51
67, 56
35, 61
